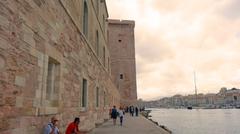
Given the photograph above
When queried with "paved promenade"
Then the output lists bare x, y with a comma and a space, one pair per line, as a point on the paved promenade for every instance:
131, 125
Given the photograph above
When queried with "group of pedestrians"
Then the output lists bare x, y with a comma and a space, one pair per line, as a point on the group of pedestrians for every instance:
114, 113
52, 127
132, 110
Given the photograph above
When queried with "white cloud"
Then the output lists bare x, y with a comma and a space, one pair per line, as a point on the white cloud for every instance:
174, 38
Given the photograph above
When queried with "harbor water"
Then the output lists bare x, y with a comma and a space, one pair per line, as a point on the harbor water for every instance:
199, 121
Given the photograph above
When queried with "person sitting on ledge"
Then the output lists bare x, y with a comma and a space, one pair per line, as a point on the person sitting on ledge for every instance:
73, 127
51, 127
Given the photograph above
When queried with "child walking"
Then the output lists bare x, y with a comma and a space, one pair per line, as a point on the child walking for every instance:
121, 114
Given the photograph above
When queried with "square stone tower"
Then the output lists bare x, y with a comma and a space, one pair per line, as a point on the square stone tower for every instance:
122, 58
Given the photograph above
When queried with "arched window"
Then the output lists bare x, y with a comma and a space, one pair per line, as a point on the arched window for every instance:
85, 19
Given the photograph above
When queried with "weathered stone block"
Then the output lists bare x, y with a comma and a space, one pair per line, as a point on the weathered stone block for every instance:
20, 81
40, 60
11, 101
2, 63
4, 44
17, 131
28, 36
36, 103
38, 93
19, 101
29, 111
3, 124
48, 110
4, 21
1, 99
54, 103
13, 123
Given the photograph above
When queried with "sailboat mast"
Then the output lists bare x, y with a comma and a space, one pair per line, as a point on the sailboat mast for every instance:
195, 81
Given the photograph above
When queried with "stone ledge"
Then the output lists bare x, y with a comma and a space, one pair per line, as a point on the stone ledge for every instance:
48, 110
121, 22
83, 109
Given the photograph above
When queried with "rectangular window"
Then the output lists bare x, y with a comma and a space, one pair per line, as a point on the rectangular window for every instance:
108, 64
84, 93
53, 75
105, 98
97, 43
121, 76
97, 97
104, 57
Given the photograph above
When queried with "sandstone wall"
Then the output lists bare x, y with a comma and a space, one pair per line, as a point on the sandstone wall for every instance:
122, 55
32, 33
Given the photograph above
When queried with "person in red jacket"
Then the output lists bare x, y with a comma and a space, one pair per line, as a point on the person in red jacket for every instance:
73, 127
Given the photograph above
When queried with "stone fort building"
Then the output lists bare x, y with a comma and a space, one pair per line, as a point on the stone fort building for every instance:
55, 59
122, 55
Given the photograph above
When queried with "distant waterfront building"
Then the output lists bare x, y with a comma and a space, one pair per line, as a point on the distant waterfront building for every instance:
225, 98
210, 98
231, 97
55, 61
122, 57
177, 100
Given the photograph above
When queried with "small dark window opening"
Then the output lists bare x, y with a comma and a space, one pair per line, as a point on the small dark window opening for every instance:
121, 76
119, 40
84, 93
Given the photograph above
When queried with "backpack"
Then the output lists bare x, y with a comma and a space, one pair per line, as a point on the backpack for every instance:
114, 113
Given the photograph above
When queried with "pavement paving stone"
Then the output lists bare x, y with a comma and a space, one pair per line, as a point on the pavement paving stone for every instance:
131, 125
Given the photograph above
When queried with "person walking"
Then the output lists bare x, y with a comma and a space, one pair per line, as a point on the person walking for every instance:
136, 111
51, 127
121, 114
73, 127
114, 115
132, 110
127, 109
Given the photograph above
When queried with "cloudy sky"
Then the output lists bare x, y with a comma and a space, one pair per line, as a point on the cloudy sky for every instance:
174, 38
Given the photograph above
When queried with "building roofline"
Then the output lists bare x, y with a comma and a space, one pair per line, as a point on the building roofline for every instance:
121, 22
